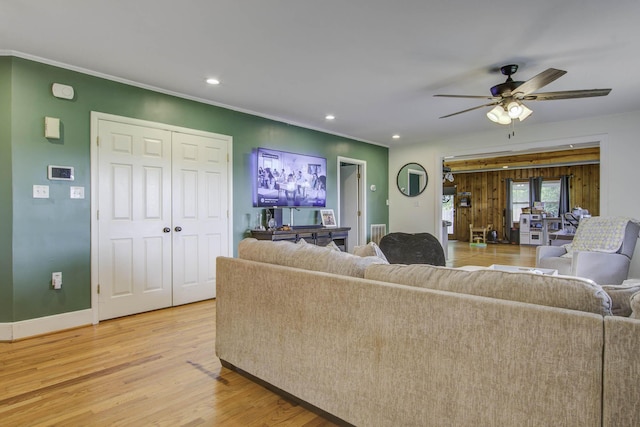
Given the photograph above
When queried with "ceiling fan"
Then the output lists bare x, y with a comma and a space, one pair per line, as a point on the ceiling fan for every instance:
507, 97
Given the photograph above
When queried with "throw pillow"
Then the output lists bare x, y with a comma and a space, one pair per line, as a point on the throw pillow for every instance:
621, 296
635, 306
569, 248
332, 245
370, 249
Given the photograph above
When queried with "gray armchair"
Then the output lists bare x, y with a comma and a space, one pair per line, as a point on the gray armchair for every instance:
604, 268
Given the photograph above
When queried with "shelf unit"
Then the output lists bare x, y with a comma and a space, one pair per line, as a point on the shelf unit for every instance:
316, 235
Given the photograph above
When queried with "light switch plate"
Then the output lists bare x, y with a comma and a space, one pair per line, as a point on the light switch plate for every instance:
76, 192
40, 191
52, 128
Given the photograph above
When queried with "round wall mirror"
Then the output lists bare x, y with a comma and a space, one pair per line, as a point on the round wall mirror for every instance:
412, 179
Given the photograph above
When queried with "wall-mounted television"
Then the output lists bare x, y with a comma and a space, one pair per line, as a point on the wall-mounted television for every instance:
284, 179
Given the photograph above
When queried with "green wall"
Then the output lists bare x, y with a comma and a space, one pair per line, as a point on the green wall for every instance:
6, 217
54, 234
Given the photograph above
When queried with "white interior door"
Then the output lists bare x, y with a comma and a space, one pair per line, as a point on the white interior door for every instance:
162, 214
134, 214
200, 223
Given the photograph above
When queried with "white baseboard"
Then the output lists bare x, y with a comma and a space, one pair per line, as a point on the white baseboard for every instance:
45, 325
6, 331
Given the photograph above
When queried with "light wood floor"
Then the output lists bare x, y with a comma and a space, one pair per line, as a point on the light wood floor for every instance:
461, 253
158, 368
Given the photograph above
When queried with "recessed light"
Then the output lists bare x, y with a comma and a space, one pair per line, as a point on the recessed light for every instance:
396, 136
330, 117
213, 81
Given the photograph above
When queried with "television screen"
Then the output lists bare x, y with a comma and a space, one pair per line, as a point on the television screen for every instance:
289, 179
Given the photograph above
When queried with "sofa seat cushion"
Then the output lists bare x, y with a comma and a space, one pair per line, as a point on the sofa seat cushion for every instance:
553, 291
305, 256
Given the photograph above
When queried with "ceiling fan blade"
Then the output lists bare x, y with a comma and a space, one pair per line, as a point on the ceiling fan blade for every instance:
537, 82
471, 109
468, 96
567, 94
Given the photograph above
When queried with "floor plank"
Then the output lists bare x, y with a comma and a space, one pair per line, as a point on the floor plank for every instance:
158, 368
462, 253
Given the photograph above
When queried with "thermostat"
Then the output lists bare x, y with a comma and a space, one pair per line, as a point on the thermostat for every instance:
64, 173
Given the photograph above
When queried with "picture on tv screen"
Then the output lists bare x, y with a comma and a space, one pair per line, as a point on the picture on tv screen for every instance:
289, 179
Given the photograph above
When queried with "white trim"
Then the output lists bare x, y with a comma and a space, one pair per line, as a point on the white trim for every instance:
604, 175
45, 325
6, 332
176, 94
362, 234
95, 118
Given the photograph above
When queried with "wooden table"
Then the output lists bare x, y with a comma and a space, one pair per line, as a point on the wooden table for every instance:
314, 234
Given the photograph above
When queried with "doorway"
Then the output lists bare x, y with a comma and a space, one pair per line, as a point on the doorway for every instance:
160, 214
352, 199
481, 176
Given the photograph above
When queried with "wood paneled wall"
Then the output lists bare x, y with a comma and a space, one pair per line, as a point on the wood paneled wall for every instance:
488, 194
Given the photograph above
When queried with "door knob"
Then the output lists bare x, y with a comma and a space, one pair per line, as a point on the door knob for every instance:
166, 229
178, 228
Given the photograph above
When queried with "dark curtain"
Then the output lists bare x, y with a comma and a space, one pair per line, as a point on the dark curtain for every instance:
508, 219
565, 203
535, 190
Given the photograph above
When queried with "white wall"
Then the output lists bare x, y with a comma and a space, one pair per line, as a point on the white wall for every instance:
619, 166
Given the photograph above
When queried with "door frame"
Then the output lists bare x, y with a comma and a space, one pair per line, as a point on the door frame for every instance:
601, 140
362, 234
95, 118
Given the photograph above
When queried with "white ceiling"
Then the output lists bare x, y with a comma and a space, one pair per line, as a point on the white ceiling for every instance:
374, 64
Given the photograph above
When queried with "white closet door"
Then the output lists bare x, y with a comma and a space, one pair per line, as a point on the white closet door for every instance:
200, 217
134, 219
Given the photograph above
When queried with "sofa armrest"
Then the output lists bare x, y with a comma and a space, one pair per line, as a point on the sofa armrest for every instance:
549, 252
602, 268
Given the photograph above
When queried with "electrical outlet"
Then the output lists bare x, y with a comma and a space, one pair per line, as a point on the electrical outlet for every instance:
56, 280
77, 192
40, 191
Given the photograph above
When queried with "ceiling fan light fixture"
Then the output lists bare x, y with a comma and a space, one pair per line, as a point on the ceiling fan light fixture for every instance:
515, 109
499, 115
495, 113
526, 112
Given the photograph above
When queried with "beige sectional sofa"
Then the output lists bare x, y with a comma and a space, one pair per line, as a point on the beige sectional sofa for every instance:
376, 344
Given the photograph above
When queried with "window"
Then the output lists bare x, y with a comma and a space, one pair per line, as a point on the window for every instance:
519, 198
550, 196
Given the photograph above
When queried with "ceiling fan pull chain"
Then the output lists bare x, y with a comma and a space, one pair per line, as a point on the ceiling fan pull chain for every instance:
513, 130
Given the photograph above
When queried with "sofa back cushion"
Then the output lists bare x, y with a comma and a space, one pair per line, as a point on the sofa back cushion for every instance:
553, 291
306, 256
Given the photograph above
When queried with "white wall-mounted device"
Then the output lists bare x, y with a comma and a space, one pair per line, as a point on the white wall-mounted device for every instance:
62, 91
62, 173
51, 128
56, 280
